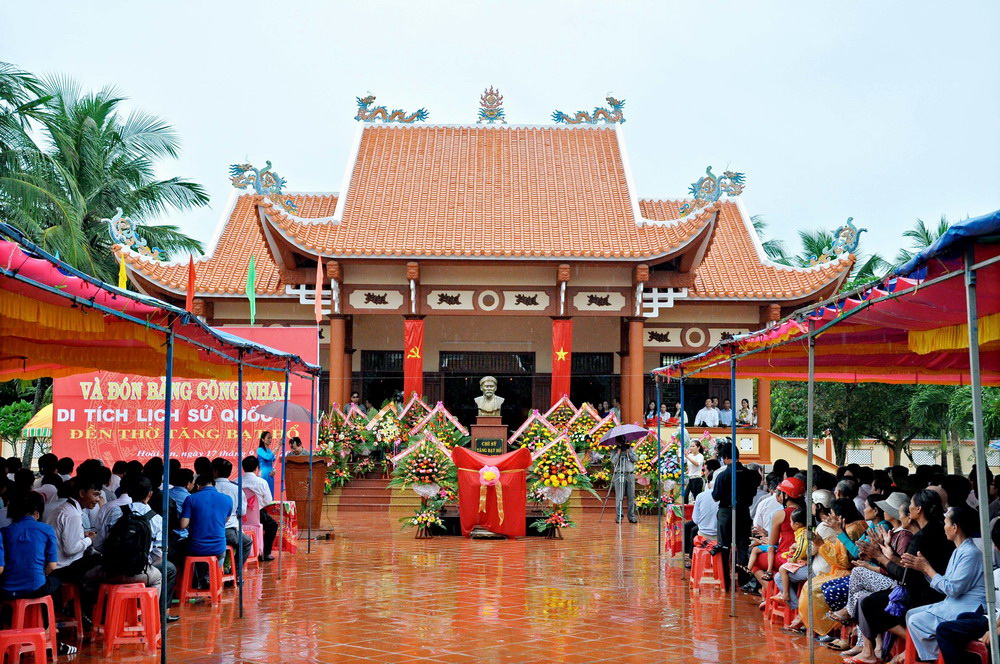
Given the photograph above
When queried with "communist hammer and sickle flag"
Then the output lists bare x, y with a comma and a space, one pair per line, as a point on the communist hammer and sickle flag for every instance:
413, 362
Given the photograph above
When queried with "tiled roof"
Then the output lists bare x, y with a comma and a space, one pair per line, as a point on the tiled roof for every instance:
505, 192
224, 271
733, 267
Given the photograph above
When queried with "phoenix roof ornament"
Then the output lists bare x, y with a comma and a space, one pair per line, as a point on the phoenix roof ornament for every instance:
264, 181
845, 241
122, 231
710, 188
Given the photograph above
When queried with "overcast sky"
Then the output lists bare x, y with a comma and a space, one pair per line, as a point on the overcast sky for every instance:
884, 111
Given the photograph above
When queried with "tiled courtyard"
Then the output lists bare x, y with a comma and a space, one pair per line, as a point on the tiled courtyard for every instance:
376, 594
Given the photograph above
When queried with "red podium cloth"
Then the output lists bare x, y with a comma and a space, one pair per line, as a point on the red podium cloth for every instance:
513, 485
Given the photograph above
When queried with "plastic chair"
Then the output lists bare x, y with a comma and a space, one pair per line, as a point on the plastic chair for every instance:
188, 591
776, 609
14, 643
69, 594
100, 616
32, 613
133, 617
252, 517
701, 562
231, 556
256, 534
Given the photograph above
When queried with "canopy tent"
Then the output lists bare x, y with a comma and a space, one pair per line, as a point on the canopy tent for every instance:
57, 321
40, 425
905, 329
937, 320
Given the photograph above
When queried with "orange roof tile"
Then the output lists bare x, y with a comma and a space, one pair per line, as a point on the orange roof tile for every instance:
734, 267
497, 192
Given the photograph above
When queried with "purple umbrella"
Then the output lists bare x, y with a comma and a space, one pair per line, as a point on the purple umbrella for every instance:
623, 433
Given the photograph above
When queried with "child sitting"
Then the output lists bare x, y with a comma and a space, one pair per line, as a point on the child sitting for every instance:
795, 558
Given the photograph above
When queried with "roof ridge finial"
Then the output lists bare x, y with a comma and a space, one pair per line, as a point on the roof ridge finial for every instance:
491, 107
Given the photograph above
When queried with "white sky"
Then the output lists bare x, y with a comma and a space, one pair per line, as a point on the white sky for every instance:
884, 111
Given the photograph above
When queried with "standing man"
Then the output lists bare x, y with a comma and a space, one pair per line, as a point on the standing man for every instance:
746, 488
623, 460
707, 416
726, 414
222, 469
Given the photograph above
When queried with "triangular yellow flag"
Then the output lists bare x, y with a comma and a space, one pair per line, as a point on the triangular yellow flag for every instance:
122, 278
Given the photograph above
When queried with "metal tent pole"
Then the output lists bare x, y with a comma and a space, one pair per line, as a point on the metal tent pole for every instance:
810, 408
980, 435
659, 483
732, 477
239, 478
682, 424
165, 532
312, 437
284, 493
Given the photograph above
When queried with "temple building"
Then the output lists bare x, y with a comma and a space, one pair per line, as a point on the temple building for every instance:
466, 249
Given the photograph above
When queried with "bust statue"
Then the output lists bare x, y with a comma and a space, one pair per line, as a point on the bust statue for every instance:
489, 403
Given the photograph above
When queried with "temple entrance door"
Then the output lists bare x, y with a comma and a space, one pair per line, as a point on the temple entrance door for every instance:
460, 375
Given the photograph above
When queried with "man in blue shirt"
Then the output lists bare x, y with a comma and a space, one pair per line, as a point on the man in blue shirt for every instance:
30, 551
204, 516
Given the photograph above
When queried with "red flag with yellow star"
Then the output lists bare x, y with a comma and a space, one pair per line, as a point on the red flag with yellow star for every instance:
413, 357
562, 356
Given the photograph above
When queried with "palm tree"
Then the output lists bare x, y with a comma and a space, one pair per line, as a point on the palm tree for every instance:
867, 268
921, 236
90, 161
775, 249
21, 96
935, 408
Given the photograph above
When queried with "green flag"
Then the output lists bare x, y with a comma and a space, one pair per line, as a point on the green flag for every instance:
251, 292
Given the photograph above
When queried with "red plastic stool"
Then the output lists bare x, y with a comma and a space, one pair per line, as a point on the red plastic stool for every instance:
16, 642
776, 609
214, 592
69, 594
702, 561
32, 613
231, 576
142, 603
100, 616
256, 534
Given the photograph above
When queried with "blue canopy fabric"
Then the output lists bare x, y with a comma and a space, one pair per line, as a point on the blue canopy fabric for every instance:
953, 240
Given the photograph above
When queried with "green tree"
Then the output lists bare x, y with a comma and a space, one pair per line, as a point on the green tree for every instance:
921, 236
13, 417
89, 160
775, 249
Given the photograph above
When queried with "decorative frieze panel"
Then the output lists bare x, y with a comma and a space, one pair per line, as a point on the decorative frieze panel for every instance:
598, 302
364, 299
507, 301
688, 338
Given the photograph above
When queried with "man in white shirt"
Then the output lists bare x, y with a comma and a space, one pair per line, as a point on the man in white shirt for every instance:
255, 484
726, 414
707, 416
223, 468
138, 493
107, 515
73, 542
766, 508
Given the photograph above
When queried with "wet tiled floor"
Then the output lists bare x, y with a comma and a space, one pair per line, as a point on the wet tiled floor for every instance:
376, 594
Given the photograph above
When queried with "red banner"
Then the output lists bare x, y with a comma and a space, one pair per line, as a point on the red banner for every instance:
413, 357
112, 416
562, 357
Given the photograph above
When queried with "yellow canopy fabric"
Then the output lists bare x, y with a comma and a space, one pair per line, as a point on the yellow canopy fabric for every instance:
39, 426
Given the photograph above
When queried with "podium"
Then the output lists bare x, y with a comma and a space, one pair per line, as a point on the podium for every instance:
297, 471
489, 436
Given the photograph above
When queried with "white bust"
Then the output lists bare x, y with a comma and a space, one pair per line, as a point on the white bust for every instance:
489, 403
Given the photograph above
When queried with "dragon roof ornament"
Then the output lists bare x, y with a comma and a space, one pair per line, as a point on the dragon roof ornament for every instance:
845, 241
599, 114
264, 181
709, 188
491, 107
122, 231
368, 113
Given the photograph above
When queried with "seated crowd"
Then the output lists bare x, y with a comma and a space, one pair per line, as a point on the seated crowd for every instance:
89, 524
895, 555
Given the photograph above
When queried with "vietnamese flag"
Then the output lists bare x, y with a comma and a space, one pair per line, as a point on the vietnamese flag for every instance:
318, 304
413, 357
562, 357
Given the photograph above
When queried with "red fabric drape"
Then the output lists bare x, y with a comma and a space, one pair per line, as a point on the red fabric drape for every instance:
413, 358
514, 488
189, 299
562, 357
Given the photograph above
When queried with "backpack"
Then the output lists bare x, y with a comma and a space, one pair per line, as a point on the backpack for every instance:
127, 546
